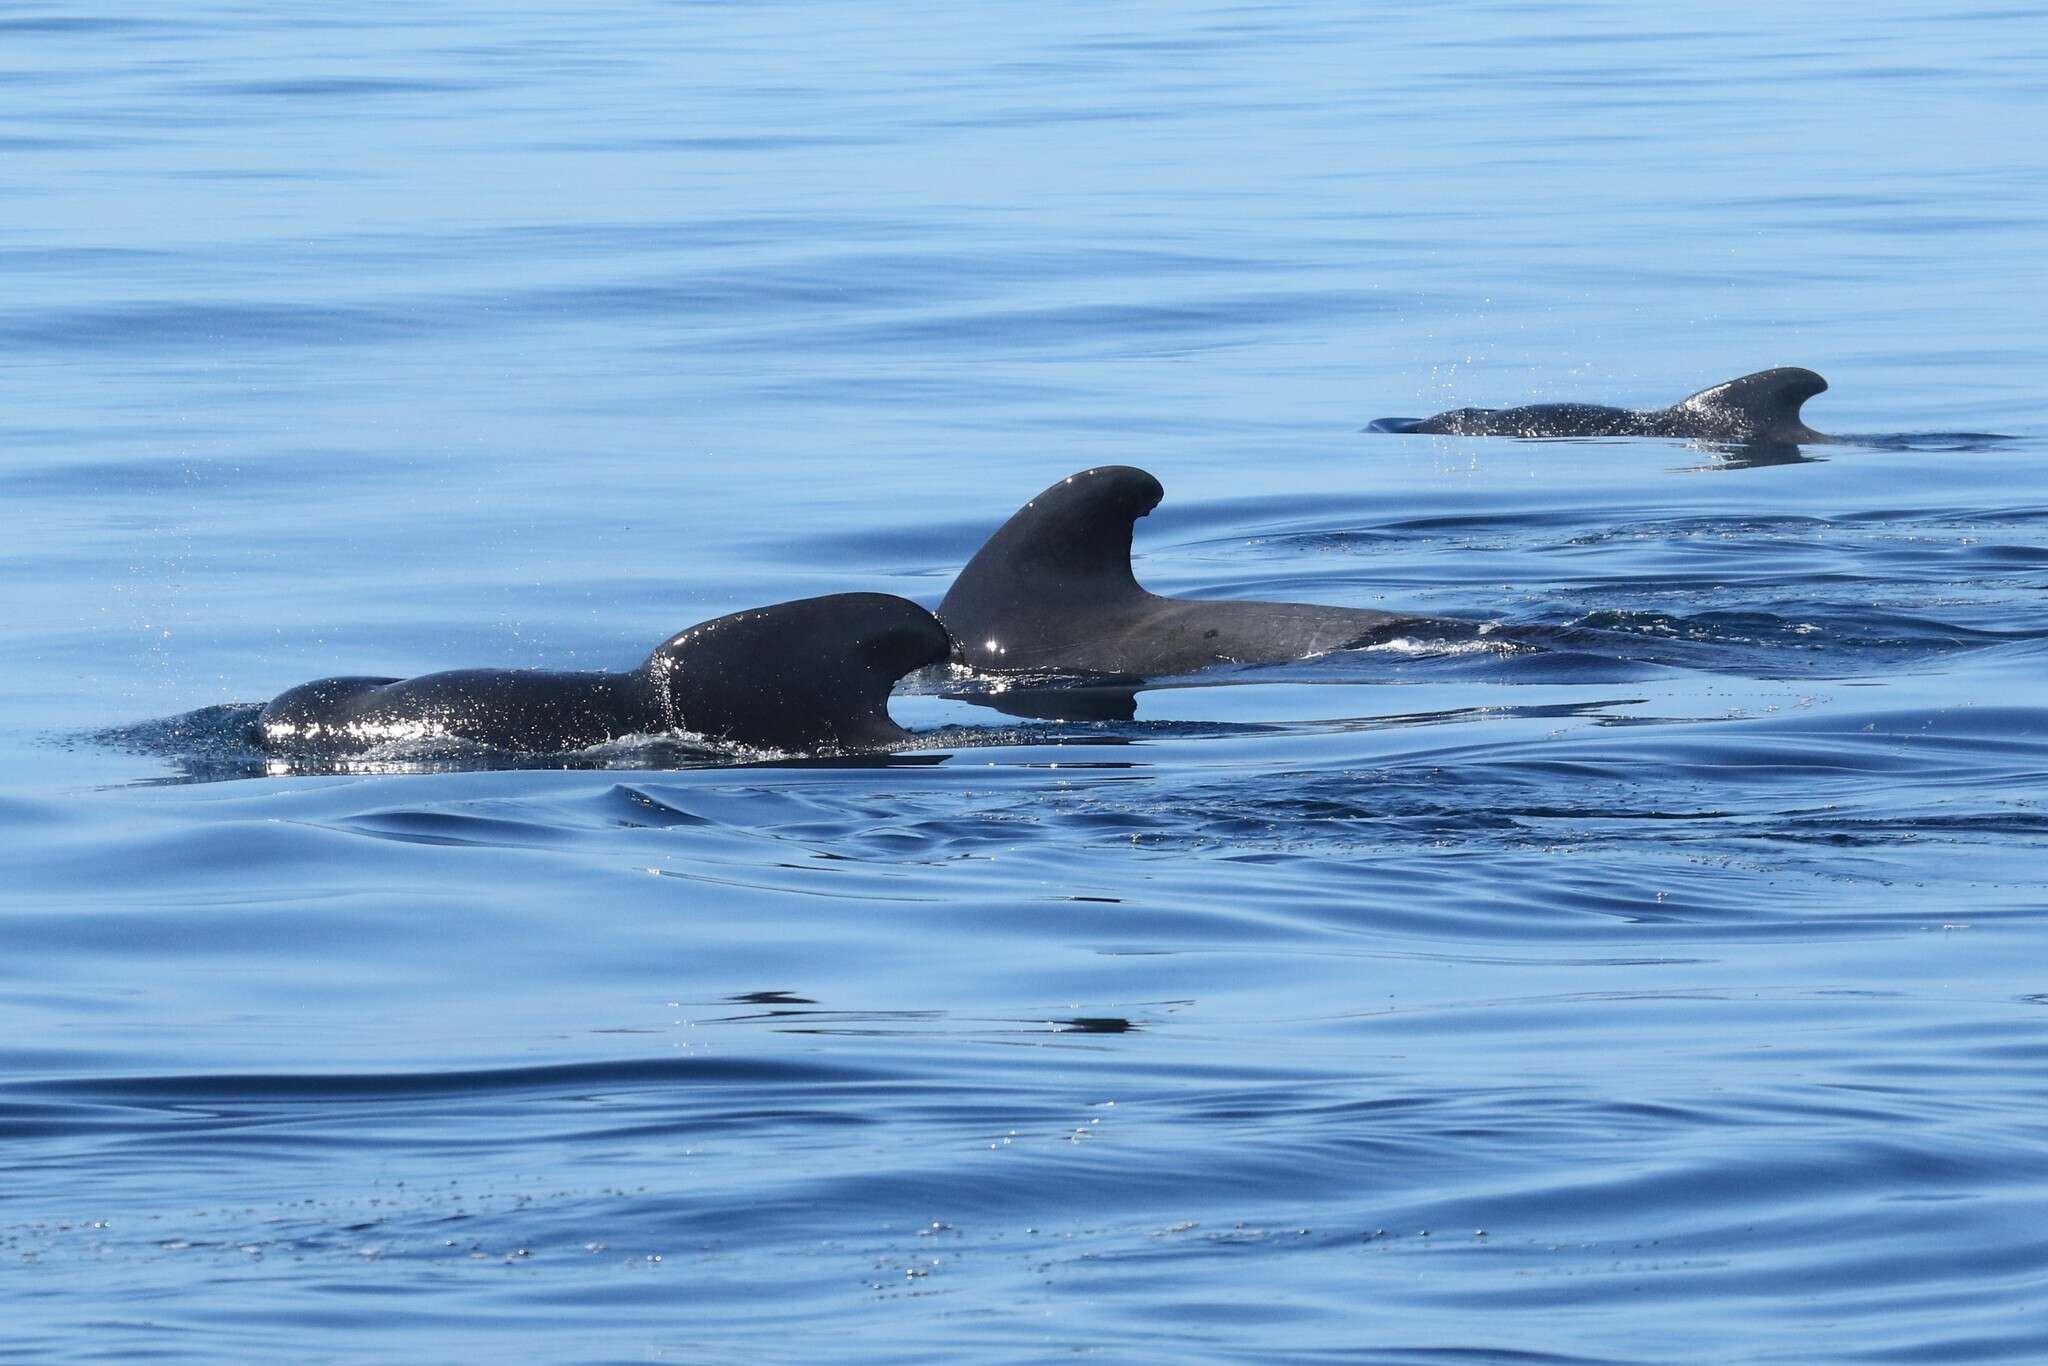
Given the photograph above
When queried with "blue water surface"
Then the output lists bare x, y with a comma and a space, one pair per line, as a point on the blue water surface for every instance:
1677, 990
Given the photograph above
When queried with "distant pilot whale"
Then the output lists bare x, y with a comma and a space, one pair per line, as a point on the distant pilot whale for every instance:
1761, 409
1053, 592
806, 675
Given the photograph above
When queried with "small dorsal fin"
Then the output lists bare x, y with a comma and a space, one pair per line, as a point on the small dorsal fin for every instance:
1759, 407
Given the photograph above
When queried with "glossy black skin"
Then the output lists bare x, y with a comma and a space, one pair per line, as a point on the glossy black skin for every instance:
1052, 592
1762, 408
798, 676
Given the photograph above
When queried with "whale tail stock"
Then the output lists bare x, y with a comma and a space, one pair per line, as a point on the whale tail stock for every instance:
805, 675
1759, 407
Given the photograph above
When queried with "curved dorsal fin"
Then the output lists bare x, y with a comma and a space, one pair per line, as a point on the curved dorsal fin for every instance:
1759, 407
1069, 547
1073, 540
804, 675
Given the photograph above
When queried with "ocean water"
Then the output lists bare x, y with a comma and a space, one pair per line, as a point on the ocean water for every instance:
1675, 990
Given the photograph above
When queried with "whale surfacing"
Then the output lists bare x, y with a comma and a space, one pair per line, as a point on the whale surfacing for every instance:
1762, 408
808, 675
1052, 591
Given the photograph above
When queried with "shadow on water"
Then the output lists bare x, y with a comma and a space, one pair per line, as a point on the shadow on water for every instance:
1750, 455
1763, 454
785, 1013
1753, 455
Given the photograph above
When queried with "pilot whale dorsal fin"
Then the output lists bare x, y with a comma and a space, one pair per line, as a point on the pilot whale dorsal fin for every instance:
1072, 542
805, 675
809, 675
1052, 592
1067, 551
1759, 407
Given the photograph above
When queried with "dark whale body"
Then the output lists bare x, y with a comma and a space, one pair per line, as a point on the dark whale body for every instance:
807, 675
1759, 409
1053, 592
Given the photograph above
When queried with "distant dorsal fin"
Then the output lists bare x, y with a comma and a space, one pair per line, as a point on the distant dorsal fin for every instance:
1759, 407
1070, 547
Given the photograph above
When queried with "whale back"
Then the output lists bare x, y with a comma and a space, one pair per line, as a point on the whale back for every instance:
814, 674
1063, 558
1755, 409
1534, 420
1052, 592
1759, 407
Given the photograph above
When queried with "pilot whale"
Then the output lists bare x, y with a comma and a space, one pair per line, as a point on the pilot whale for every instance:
813, 674
1053, 592
1760, 409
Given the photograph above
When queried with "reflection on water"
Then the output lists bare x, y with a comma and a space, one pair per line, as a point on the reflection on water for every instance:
1755, 455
